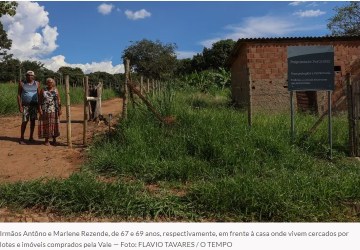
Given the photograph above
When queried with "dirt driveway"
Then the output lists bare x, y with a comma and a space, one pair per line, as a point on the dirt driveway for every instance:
33, 161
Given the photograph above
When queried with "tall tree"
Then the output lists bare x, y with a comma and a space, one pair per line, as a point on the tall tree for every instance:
151, 59
346, 20
76, 75
9, 70
8, 8
217, 55
106, 78
14, 70
198, 63
183, 67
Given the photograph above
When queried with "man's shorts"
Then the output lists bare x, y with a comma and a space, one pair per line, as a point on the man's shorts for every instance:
29, 113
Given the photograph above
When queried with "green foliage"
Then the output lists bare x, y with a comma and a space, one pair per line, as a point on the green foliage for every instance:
198, 63
210, 59
232, 172
151, 59
183, 67
218, 54
208, 165
346, 20
207, 81
6, 8
8, 99
106, 78
11, 69
83, 193
164, 101
76, 75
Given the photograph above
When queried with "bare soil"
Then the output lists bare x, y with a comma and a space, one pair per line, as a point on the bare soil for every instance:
38, 161
35, 160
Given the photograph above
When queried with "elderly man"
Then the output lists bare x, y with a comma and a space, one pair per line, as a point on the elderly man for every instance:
28, 92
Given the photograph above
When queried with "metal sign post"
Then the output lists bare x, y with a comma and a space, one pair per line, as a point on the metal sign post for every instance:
330, 123
292, 117
311, 68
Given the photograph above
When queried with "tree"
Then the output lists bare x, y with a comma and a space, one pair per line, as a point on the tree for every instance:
198, 63
346, 21
106, 78
151, 59
183, 67
8, 8
13, 70
76, 75
9, 70
217, 55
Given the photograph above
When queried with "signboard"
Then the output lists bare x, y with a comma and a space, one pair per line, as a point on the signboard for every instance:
310, 68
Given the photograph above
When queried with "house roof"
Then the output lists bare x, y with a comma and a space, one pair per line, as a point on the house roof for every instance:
243, 41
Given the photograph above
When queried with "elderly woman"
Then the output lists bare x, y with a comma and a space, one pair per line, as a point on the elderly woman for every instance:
50, 111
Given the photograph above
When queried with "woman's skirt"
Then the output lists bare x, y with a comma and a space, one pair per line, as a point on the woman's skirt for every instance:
49, 125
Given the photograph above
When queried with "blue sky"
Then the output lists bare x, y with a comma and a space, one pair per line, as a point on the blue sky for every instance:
93, 34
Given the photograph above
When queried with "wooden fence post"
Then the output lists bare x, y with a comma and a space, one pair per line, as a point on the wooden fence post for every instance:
153, 86
350, 115
98, 109
250, 111
354, 116
125, 98
141, 84
68, 114
148, 85
86, 117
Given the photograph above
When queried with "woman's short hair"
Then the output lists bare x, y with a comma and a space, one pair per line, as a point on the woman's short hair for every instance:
51, 80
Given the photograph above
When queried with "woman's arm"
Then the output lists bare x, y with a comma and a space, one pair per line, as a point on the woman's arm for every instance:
40, 100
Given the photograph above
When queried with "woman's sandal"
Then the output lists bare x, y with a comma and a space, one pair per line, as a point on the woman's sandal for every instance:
22, 142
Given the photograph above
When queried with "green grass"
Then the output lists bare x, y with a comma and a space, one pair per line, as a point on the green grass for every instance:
83, 193
8, 97
209, 165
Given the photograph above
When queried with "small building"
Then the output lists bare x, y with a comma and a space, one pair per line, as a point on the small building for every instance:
259, 72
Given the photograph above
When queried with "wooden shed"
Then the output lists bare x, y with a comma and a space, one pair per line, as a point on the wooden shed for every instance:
259, 72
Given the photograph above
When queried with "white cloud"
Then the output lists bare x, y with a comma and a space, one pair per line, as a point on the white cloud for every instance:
208, 43
266, 26
185, 54
34, 39
55, 62
313, 4
30, 32
309, 13
105, 66
296, 3
105, 9
140, 14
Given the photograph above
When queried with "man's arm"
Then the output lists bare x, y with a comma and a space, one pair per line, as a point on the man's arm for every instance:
19, 97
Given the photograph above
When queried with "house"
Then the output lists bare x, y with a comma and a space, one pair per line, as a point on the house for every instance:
259, 72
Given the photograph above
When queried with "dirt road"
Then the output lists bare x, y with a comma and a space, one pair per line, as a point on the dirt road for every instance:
35, 160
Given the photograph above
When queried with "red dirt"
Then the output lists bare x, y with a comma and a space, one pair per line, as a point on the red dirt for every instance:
34, 161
